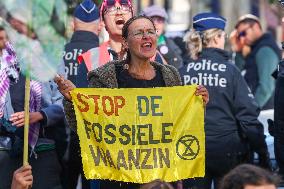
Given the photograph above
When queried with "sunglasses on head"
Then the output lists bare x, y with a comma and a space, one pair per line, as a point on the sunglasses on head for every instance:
109, 5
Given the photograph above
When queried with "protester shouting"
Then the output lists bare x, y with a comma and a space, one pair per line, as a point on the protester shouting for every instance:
114, 14
136, 71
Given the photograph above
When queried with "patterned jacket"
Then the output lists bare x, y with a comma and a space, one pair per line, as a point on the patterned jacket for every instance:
105, 77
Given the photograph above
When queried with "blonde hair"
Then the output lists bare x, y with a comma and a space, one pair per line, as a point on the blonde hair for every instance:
196, 41
157, 184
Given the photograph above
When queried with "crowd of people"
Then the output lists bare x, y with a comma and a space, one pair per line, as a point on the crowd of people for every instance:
138, 54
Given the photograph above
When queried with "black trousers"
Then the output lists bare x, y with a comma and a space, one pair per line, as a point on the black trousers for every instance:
74, 167
279, 124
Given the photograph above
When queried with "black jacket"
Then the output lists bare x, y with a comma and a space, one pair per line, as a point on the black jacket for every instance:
278, 131
81, 42
251, 74
231, 111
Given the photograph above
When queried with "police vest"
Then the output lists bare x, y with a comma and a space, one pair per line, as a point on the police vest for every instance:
95, 57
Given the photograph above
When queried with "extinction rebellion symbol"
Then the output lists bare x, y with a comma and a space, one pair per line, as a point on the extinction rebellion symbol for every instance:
187, 147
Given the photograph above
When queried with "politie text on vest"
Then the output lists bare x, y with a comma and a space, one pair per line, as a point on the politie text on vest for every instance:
72, 67
208, 73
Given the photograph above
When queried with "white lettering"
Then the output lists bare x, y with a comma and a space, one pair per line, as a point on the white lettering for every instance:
206, 65
223, 82
71, 69
72, 55
222, 67
216, 79
189, 66
186, 79
69, 56
197, 67
206, 79
75, 54
194, 80
214, 67
211, 80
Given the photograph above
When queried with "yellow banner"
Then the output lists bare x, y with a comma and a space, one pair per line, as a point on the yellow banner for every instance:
138, 135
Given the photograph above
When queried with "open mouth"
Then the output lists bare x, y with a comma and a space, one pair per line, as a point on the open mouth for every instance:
147, 45
120, 21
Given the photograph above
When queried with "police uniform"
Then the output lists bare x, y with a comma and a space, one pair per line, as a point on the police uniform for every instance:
81, 42
279, 119
231, 111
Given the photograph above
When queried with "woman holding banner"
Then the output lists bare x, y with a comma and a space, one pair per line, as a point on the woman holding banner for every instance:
232, 113
136, 71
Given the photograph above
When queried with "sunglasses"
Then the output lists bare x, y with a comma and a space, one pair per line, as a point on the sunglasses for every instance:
243, 33
108, 6
110, 3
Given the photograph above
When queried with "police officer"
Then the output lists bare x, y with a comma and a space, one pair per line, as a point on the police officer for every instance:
278, 131
231, 111
85, 36
86, 28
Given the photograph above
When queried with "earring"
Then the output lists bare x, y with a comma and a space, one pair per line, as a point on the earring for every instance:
126, 66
